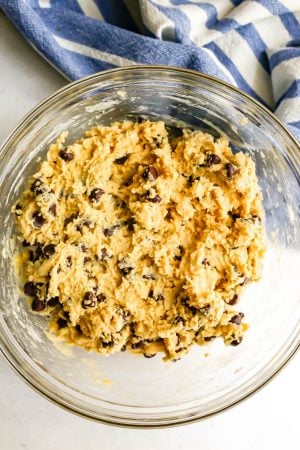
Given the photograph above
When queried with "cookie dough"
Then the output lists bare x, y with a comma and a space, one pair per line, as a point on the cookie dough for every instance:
134, 240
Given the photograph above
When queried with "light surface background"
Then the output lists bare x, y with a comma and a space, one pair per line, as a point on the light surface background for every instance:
268, 420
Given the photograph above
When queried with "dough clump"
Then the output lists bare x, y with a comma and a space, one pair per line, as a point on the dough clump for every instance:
135, 240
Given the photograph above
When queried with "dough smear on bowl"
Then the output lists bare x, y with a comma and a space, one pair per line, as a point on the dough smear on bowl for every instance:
133, 240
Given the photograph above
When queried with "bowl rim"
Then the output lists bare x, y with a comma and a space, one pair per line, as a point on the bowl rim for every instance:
33, 113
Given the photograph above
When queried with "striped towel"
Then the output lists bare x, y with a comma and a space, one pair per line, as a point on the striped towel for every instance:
254, 45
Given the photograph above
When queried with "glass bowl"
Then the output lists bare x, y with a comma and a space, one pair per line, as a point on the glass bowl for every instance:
125, 389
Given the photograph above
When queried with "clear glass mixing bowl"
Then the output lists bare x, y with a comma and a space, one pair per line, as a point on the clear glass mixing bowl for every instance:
125, 389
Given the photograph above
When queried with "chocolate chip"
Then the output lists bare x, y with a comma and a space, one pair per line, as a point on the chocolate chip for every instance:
53, 301
182, 251
209, 338
236, 342
236, 319
52, 210
231, 170
96, 194
150, 173
87, 223
70, 219
25, 244
233, 300
150, 293
149, 276
136, 345
126, 270
38, 219
67, 315
110, 231
78, 328
234, 216
65, 155
190, 181
186, 302
255, 217
155, 199
246, 280
69, 261
169, 215
149, 355
86, 259
159, 297
128, 182
61, 323
178, 320
39, 253
100, 298
38, 305
205, 262
18, 207
89, 300
212, 159
104, 254
30, 289
49, 250
123, 348
204, 309
130, 223
122, 160
37, 187
107, 344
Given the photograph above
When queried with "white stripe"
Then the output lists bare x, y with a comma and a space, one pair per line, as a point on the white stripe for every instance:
94, 53
248, 12
292, 5
44, 3
265, 29
90, 9
220, 65
160, 25
284, 74
199, 34
242, 56
288, 110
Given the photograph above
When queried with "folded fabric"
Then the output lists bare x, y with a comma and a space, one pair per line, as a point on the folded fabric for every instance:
254, 45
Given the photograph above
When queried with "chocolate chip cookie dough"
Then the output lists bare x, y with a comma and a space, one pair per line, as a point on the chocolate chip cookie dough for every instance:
132, 240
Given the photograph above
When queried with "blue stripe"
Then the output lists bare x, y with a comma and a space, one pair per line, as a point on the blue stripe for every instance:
283, 55
118, 36
240, 80
292, 92
116, 13
291, 24
70, 5
166, 53
295, 124
255, 42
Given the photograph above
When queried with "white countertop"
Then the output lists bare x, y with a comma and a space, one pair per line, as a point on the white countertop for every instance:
268, 420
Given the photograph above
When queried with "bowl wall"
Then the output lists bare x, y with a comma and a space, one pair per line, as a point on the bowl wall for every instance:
123, 388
